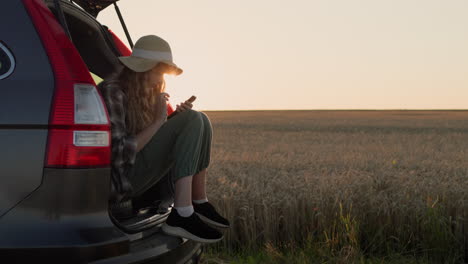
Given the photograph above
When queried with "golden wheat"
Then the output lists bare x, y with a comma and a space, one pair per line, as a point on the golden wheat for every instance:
351, 181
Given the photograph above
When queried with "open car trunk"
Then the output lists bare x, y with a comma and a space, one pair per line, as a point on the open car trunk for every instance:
98, 50
94, 6
93, 41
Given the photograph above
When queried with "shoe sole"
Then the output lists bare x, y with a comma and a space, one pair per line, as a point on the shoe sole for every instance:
209, 221
180, 232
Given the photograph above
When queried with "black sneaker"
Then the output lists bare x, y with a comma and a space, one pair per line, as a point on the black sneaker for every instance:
191, 228
208, 214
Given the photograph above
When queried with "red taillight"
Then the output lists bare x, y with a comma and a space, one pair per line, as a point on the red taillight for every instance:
79, 130
62, 153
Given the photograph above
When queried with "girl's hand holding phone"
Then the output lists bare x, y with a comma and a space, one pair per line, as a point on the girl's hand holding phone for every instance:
186, 105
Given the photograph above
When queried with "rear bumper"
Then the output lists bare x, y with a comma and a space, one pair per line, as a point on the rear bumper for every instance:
61, 255
186, 252
66, 218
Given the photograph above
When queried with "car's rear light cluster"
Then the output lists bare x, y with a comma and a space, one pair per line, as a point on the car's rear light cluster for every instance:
79, 129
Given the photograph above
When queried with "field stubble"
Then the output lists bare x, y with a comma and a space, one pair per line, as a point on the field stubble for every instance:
346, 183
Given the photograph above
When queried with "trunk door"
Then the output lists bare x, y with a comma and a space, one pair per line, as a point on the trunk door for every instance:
94, 6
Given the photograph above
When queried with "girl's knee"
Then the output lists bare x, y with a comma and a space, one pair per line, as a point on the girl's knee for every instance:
205, 119
204, 116
190, 112
192, 115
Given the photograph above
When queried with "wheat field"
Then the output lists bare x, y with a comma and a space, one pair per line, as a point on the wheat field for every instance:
346, 183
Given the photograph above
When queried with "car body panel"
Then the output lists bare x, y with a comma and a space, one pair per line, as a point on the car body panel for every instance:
22, 163
25, 102
68, 214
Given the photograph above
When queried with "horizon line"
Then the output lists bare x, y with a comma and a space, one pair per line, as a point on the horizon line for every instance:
337, 109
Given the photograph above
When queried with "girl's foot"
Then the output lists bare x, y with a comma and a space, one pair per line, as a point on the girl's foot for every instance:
191, 228
208, 214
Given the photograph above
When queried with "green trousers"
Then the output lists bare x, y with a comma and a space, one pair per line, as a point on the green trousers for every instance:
181, 147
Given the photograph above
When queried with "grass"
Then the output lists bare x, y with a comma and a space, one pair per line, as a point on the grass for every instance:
341, 186
302, 256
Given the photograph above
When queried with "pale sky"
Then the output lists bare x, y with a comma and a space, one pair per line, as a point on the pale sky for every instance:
309, 54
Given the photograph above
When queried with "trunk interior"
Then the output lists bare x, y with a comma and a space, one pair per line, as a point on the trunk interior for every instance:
93, 41
96, 46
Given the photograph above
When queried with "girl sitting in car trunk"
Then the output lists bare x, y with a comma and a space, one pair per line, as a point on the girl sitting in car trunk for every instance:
145, 143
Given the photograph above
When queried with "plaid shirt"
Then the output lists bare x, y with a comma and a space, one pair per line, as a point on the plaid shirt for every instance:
123, 144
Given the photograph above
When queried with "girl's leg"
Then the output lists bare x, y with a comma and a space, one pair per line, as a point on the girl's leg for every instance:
183, 192
175, 148
182, 221
177, 145
183, 196
202, 207
199, 179
198, 186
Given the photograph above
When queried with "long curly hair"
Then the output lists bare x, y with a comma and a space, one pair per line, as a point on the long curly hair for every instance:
141, 101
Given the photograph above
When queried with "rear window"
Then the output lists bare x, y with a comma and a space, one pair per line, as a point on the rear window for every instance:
7, 62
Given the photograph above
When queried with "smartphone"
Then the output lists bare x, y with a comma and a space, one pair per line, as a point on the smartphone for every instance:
191, 100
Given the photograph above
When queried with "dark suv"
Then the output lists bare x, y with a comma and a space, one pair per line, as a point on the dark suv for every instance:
55, 145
